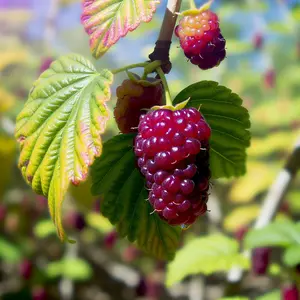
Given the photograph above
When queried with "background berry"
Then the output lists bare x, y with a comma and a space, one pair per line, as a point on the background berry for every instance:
201, 39
290, 292
260, 260
133, 100
172, 151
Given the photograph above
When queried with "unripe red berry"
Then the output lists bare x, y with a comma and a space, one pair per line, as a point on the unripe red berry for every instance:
133, 101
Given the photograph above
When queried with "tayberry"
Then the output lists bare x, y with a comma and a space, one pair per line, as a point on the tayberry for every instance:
201, 39
174, 159
134, 98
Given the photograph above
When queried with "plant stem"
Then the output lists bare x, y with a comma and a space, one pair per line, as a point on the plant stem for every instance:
165, 84
139, 65
162, 46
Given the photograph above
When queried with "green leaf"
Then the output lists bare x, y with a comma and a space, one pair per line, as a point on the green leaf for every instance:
235, 298
9, 252
99, 223
229, 122
107, 21
117, 179
72, 268
280, 234
59, 128
274, 295
44, 228
206, 255
291, 256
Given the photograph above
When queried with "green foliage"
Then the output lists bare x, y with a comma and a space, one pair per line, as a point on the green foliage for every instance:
206, 255
291, 255
44, 228
274, 295
99, 223
281, 234
72, 268
107, 21
125, 204
59, 128
9, 251
229, 122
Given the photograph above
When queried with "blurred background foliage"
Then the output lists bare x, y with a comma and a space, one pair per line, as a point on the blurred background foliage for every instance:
262, 66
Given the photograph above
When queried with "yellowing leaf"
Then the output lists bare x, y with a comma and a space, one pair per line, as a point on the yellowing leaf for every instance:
258, 178
107, 21
7, 100
59, 128
241, 216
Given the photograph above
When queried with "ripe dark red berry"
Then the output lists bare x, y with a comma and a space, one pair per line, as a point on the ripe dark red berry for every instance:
172, 152
201, 39
26, 269
290, 292
260, 260
133, 100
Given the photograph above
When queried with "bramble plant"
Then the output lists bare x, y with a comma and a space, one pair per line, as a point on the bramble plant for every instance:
154, 176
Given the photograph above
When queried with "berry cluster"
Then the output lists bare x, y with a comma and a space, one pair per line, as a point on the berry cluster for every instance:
133, 100
172, 150
201, 39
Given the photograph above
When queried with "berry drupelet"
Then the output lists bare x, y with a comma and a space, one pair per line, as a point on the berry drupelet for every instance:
201, 39
172, 151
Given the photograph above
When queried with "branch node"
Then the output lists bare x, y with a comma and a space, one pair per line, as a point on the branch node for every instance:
161, 52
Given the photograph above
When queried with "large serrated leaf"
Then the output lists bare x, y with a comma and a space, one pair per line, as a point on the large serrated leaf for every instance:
107, 21
125, 204
276, 234
59, 128
229, 122
206, 255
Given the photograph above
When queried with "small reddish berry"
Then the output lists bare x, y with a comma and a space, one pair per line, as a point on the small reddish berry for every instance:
110, 239
172, 152
260, 260
270, 79
241, 232
258, 41
133, 101
201, 39
290, 292
26, 269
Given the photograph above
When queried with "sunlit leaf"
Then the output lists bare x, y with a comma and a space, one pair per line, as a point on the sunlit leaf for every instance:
206, 255
107, 21
97, 221
281, 234
291, 256
240, 216
44, 228
59, 128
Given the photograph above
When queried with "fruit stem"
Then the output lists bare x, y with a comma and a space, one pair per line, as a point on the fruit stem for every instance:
139, 65
165, 84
